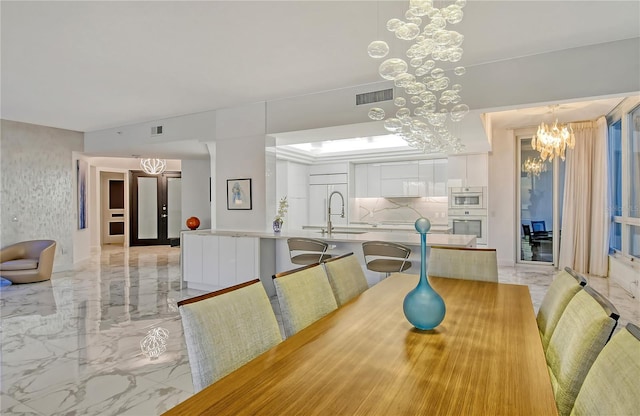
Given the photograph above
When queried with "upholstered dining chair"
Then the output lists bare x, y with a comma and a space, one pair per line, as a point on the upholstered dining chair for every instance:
304, 295
463, 263
307, 251
612, 386
582, 331
346, 277
226, 329
386, 257
565, 285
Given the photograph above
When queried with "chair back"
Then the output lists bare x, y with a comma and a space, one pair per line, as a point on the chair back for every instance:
304, 295
307, 251
564, 286
346, 277
582, 331
386, 257
463, 263
226, 329
538, 226
612, 386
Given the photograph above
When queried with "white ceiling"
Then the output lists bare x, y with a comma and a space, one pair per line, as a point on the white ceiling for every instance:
92, 65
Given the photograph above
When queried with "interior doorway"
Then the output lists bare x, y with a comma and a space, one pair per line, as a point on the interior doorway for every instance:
156, 211
113, 208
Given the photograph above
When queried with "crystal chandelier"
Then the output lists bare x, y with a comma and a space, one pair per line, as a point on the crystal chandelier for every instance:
428, 99
153, 166
552, 140
534, 166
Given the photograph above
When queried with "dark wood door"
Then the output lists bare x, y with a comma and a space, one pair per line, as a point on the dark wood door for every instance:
155, 215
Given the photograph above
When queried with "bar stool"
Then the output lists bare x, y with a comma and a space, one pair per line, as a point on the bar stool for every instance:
307, 251
386, 257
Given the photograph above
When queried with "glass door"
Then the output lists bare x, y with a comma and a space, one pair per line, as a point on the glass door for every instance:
155, 208
536, 213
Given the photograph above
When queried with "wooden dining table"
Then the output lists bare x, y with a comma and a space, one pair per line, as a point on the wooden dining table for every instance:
365, 358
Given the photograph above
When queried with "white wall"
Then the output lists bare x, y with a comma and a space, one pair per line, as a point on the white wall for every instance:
293, 182
240, 154
195, 196
502, 196
37, 193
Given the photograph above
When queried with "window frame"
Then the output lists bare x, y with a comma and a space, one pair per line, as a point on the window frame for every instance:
623, 113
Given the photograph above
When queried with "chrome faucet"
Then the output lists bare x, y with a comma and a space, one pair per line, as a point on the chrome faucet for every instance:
329, 214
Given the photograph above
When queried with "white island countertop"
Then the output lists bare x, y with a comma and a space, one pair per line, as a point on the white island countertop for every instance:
409, 238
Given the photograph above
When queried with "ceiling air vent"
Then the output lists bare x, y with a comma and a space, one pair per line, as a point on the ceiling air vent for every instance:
156, 130
374, 96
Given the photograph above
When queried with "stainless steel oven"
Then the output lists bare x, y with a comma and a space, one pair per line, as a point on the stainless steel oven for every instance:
467, 197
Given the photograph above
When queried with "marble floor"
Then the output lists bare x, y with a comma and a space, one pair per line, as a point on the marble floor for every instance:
71, 346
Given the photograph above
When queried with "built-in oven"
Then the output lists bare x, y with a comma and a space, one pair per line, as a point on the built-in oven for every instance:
469, 222
467, 197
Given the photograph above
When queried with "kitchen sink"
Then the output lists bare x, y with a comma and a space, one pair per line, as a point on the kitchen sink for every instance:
343, 232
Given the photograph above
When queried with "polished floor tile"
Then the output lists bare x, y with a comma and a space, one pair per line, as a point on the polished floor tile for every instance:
71, 345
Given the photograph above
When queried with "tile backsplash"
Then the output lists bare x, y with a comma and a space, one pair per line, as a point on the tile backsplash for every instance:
399, 210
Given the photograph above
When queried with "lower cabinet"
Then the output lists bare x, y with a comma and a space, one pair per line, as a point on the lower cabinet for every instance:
213, 262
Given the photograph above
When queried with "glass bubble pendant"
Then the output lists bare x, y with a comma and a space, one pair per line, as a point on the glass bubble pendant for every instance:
376, 113
378, 49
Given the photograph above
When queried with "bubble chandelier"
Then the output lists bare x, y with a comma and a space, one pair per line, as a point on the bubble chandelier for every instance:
428, 98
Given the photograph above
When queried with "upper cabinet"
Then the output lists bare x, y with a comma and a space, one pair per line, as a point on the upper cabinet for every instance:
468, 170
401, 179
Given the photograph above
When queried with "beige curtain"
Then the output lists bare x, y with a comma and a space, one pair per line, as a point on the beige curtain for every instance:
585, 224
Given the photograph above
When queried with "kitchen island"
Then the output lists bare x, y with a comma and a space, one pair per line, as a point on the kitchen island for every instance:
215, 259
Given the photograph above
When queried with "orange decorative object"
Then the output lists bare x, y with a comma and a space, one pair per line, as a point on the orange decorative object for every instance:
193, 223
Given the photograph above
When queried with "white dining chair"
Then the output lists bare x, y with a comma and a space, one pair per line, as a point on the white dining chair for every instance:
346, 277
304, 296
565, 285
463, 263
612, 386
226, 329
582, 331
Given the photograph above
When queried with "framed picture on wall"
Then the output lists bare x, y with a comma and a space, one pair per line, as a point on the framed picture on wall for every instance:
82, 170
239, 194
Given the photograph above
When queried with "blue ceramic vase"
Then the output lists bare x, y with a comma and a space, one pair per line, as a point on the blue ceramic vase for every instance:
423, 306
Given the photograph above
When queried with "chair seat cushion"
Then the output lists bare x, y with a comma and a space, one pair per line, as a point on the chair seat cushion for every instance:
19, 264
309, 258
388, 266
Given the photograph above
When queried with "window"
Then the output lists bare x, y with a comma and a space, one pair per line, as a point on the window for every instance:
624, 178
634, 163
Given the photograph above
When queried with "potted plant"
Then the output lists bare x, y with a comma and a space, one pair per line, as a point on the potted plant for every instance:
283, 205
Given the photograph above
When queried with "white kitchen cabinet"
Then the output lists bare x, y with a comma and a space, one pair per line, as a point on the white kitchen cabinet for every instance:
477, 170
367, 180
400, 180
468, 170
192, 258
401, 170
318, 199
211, 262
210, 258
329, 168
361, 180
373, 180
